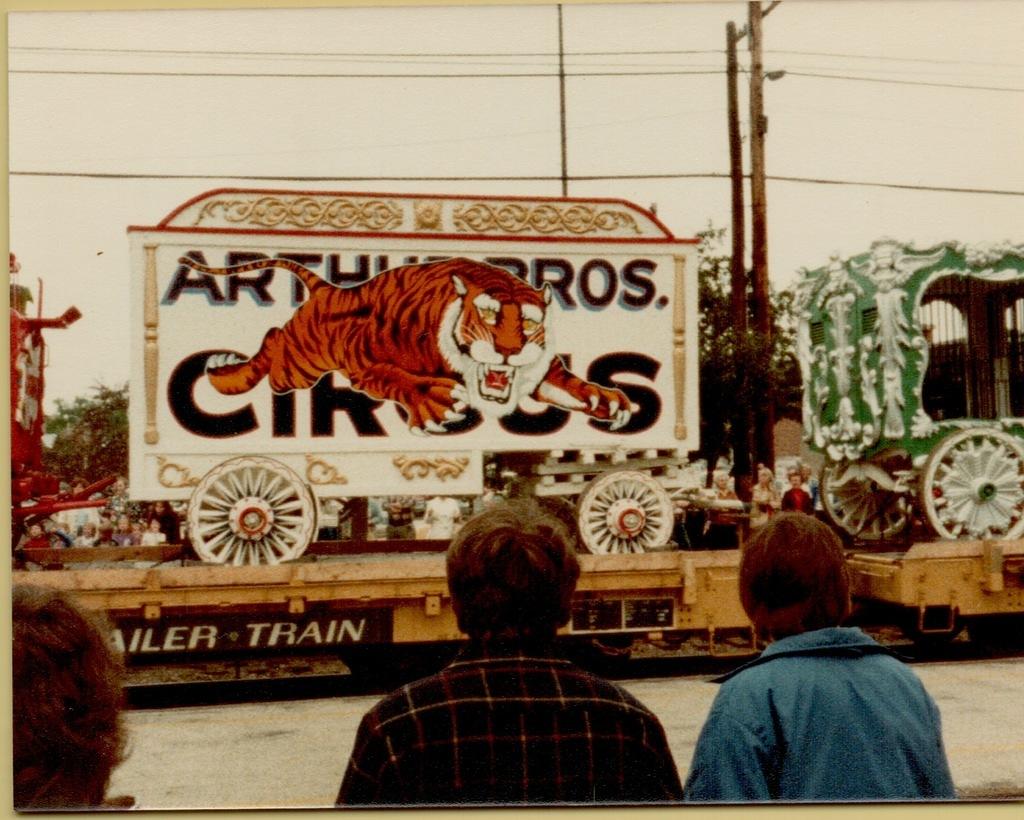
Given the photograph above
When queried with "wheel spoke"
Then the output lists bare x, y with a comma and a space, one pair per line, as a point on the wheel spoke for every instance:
210, 529
216, 501
280, 544
211, 515
1001, 508
234, 483
268, 550
261, 486
214, 542
280, 495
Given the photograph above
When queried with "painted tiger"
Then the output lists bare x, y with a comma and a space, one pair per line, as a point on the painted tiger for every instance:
433, 337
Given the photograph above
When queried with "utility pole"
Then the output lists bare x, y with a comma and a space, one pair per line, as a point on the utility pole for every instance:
742, 421
764, 426
561, 103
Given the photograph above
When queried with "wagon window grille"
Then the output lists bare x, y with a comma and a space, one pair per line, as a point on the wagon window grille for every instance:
944, 393
1014, 323
868, 320
817, 333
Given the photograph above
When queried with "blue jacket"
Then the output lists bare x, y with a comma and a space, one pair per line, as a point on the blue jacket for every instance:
823, 716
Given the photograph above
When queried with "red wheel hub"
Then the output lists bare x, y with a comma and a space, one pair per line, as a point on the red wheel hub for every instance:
251, 518
626, 519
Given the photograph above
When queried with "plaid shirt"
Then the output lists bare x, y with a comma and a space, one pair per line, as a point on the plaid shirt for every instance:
509, 727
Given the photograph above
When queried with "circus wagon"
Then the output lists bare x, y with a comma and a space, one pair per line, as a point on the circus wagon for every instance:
913, 372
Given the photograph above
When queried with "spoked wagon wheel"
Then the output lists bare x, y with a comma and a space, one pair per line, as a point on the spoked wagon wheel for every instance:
860, 505
625, 511
251, 510
973, 486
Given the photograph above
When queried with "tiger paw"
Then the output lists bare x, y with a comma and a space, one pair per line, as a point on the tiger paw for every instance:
608, 404
217, 361
434, 404
230, 373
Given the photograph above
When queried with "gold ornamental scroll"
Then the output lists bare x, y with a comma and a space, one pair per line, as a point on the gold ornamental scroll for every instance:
321, 472
174, 475
412, 467
152, 358
679, 347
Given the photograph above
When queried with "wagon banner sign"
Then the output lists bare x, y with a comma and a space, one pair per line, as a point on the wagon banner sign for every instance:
350, 336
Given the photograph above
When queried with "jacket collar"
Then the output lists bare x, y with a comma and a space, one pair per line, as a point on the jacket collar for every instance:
836, 641
508, 649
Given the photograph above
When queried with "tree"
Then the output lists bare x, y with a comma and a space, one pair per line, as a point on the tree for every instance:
91, 435
736, 372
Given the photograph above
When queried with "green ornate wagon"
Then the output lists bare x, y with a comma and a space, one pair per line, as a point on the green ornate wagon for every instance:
913, 372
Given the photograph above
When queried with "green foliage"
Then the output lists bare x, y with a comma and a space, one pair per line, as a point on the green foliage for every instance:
736, 371
91, 435
21, 297
784, 367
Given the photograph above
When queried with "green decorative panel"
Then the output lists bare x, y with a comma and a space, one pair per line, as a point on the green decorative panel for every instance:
863, 354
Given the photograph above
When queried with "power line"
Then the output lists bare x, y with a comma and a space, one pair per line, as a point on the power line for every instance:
901, 82
892, 59
270, 178
407, 76
895, 185
156, 52
496, 76
551, 65
520, 178
414, 60
384, 54
864, 71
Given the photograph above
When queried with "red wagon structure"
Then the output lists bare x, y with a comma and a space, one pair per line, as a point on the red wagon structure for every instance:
35, 494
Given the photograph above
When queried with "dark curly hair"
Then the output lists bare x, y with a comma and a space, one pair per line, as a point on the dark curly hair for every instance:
512, 571
68, 735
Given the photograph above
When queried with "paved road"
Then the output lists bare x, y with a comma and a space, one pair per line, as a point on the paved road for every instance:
293, 754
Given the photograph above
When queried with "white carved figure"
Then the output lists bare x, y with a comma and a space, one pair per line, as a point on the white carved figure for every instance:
869, 389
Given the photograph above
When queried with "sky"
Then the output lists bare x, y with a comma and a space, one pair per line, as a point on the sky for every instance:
118, 117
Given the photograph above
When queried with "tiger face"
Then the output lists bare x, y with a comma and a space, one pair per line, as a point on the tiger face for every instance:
498, 337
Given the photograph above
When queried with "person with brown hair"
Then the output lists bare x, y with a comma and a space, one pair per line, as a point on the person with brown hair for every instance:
796, 498
825, 713
509, 722
106, 536
123, 535
170, 523
68, 735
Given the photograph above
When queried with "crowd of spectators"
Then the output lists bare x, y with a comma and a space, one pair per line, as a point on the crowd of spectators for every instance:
123, 522
119, 522
715, 519
437, 517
